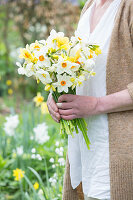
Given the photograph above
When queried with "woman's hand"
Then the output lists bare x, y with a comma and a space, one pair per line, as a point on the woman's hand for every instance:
53, 109
75, 106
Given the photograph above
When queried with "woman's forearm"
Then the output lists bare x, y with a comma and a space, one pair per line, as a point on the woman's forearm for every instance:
120, 101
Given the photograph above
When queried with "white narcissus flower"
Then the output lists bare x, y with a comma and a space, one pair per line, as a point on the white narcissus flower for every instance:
63, 83
35, 46
74, 50
80, 79
21, 69
11, 124
41, 133
89, 64
66, 66
43, 76
28, 70
43, 60
53, 35
78, 38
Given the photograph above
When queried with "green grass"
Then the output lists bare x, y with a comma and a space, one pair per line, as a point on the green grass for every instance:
29, 117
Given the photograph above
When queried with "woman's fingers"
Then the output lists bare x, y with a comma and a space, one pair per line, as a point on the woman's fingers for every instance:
54, 118
66, 97
69, 117
53, 113
66, 112
52, 103
64, 105
53, 109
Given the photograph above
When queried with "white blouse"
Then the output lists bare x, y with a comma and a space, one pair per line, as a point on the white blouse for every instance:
92, 166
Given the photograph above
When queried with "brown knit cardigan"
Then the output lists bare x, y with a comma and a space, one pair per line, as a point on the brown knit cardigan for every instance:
119, 75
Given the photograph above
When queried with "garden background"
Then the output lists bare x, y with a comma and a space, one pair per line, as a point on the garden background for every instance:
32, 152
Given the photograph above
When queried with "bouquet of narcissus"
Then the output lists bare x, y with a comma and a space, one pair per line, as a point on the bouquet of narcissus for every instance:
61, 64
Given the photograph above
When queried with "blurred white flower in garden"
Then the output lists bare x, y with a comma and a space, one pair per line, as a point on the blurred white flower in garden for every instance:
33, 156
41, 133
51, 160
38, 157
33, 150
57, 143
61, 161
53, 166
19, 151
41, 194
53, 180
59, 151
11, 124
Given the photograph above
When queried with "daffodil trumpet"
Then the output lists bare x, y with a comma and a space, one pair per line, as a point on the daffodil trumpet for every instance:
61, 64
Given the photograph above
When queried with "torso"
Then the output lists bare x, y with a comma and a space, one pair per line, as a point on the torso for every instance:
92, 166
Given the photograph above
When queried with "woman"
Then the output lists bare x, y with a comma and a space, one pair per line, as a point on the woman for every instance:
106, 101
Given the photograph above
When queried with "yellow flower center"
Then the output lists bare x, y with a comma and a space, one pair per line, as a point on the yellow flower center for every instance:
63, 83
41, 58
27, 55
78, 62
64, 65
72, 67
37, 47
40, 99
90, 56
44, 75
79, 38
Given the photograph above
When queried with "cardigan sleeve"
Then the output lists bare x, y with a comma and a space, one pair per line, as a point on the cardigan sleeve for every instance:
130, 89
130, 85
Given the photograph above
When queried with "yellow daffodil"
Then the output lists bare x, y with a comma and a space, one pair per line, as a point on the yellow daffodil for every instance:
38, 99
26, 54
18, 174
44, 108
62, 42
76, 57
9, 82
98, 51
10, 91
36, 185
